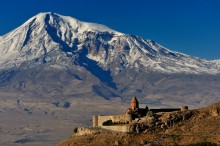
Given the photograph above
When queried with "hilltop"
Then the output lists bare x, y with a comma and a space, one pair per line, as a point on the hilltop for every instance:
202, 126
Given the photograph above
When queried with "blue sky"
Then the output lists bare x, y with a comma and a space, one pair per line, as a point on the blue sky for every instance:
188, 26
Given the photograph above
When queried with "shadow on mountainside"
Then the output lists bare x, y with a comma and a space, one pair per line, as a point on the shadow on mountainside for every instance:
83, 60
95, 69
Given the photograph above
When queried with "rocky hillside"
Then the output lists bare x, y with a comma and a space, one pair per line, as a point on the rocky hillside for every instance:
200, 126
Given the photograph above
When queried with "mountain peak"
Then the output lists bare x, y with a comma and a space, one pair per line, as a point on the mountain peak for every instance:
75, 24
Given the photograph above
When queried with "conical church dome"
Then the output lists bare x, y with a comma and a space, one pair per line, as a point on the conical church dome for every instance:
134, 103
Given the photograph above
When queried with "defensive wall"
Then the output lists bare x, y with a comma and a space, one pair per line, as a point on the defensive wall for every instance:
118, 128
98, 120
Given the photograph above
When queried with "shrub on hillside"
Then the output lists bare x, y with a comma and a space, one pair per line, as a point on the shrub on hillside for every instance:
150, 113
75, 130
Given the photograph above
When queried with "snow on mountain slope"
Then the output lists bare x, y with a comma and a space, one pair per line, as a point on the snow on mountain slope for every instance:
40, 35
51, 36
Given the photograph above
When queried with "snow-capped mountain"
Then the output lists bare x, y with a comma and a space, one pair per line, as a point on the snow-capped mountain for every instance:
52, 55
41, 35
61, 40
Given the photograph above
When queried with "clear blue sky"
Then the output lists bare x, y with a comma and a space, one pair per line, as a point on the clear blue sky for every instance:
188, 26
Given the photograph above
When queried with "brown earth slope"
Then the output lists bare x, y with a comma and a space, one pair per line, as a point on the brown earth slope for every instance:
202, 126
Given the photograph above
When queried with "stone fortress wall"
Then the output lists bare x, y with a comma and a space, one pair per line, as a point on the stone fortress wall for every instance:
98, 120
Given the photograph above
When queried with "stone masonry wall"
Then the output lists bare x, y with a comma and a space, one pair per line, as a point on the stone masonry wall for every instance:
117, 128
98, 120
